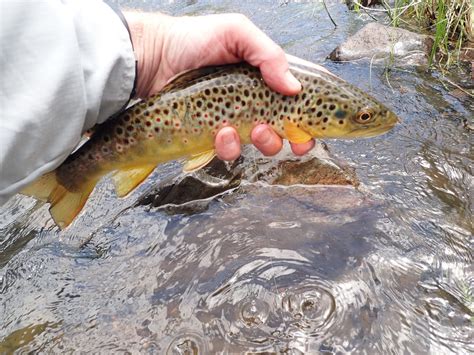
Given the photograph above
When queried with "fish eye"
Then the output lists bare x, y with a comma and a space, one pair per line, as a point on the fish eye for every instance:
364, 116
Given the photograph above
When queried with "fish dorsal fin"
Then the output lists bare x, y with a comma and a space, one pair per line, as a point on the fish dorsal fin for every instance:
188, 77
295, 134
126, 180
198, 161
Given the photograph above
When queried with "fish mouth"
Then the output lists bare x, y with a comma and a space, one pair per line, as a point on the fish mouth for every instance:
372, 131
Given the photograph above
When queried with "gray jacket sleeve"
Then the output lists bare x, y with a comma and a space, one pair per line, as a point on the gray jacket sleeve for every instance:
64, 66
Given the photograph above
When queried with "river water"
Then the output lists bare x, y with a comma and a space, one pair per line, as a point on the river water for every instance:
231, 263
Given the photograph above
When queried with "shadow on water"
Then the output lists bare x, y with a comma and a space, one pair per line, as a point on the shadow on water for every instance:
231, 260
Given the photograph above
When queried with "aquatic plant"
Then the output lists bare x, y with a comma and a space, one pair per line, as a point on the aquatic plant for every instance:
450, 22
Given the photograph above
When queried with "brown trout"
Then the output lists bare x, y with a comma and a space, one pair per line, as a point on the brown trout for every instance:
182, 120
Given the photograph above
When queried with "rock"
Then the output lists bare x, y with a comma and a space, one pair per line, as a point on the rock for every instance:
314, 172
192, 193
379, 43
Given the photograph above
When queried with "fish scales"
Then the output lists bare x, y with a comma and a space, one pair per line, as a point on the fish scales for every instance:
183, 119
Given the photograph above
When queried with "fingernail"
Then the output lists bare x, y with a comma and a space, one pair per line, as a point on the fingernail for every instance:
229, 138
264, 137
293, 83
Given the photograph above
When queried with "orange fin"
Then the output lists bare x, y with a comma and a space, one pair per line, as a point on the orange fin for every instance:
126, 180
65, 205
198, 161
295, 134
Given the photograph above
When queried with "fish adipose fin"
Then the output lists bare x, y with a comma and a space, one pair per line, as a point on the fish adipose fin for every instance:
295, 134
198, 161
65, 205
127, 179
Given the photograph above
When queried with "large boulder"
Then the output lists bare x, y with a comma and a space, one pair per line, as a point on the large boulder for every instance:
380, 43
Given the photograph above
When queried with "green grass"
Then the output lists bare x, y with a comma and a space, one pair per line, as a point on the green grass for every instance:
448, 21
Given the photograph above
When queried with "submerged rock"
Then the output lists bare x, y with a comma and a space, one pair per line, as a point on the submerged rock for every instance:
379, 43
191, 193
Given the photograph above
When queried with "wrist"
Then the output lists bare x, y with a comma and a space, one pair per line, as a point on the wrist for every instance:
147, 31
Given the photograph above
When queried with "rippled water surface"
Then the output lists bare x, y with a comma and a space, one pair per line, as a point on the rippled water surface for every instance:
226, 262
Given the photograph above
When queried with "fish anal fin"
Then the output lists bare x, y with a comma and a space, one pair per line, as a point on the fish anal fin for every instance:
67, 205
295, 134
126, 180
198, 161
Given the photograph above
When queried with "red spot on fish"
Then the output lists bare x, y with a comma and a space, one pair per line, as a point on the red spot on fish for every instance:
158, 119
237, 107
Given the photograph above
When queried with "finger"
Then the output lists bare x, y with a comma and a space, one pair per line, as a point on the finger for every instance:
251, 44
266, 140
227, 144
302, 148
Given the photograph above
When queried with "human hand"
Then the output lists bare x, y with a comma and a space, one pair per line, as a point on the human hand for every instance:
165, 46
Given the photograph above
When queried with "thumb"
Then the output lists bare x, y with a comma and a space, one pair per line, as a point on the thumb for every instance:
276, 74
246, 41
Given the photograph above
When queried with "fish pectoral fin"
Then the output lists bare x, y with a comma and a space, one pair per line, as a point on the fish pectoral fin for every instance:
65, 205
295, 134
198, 161
126, 180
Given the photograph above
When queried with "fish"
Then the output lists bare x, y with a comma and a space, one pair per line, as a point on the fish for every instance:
181, 121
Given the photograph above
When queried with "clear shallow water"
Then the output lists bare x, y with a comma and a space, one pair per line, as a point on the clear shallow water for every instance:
386, 267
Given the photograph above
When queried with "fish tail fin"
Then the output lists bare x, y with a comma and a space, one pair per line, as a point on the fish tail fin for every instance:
65, 204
